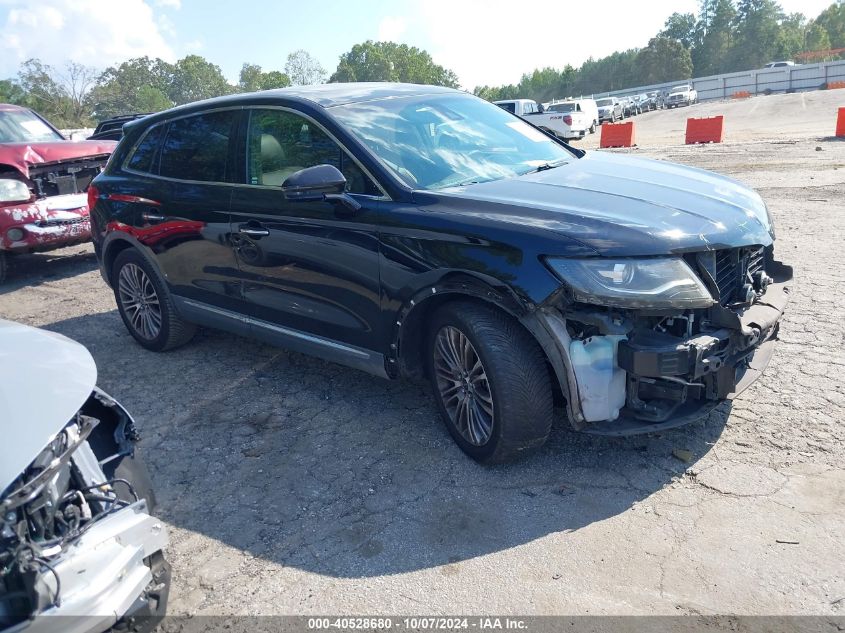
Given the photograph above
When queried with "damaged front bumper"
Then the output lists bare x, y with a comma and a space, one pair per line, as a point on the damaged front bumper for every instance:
45, 224
114, 575
623, 375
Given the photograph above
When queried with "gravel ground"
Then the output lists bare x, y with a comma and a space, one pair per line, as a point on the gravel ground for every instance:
293, 486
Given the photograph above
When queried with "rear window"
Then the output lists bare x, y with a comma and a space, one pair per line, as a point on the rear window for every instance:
197, 147
563, 107
510, 107
142, 159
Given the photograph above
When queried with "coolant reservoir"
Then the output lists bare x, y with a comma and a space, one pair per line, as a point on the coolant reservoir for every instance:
601, 384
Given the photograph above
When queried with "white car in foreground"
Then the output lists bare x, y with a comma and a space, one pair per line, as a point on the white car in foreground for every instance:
76, 536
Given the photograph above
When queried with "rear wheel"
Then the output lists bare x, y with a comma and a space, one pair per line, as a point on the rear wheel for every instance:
145, 304
4, 265
490, 382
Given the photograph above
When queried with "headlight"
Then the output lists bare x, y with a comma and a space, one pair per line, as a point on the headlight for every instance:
633, 283
12, 190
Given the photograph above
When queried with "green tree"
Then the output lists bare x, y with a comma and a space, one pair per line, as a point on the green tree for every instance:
663, 60
195, 78
757, 33
832, 20
681, 27
61, 96
136, 85
716, 33
817, 38
388, 61
11, 92
791, 38
252, 78
303, 69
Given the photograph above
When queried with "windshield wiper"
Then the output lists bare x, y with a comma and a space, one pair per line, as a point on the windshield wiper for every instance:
546, 166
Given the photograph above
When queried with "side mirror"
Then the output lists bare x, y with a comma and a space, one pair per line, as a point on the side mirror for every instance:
541, 109
316, 184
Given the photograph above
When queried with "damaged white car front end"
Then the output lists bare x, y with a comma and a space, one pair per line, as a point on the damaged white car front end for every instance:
79, 550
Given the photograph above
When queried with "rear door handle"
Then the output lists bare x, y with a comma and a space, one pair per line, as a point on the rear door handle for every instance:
253, 231
152, 217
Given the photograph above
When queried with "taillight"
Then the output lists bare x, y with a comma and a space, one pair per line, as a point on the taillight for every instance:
93, 194
567, 119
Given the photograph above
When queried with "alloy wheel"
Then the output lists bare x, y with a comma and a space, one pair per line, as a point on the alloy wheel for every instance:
463, 385
139, 300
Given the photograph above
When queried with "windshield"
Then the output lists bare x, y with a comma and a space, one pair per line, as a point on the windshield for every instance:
22, 126
604, 102
436, 141
563, 107
680, 89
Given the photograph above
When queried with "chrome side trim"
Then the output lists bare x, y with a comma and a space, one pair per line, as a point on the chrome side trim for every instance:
351, 356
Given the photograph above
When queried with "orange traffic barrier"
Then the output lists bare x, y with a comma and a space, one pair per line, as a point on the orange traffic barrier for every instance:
835, 84
706, 130
840, 123
618, 135
742, 94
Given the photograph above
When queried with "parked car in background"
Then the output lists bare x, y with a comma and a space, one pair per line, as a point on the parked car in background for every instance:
683, 95
77, 541
43, 179
520, 107
585, 105
414, 231
645, 102
656, 99
112, 129
781, 64
630, 107
565, 120
610, 109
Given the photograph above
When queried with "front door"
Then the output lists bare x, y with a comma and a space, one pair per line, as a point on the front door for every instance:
310, 270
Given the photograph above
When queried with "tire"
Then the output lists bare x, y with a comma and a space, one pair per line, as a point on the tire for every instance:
507, 408
4, 266
593, 128
155, 324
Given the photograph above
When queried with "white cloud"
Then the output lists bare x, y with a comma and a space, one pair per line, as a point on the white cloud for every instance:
90, 32
169, 4
392, 28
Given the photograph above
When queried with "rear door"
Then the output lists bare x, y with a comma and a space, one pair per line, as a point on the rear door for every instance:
310, 269
185, 218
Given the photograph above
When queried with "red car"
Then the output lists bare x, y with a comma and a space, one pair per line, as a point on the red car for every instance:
43, 180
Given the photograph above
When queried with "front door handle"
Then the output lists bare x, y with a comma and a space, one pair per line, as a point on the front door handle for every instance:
152, 217
253, 231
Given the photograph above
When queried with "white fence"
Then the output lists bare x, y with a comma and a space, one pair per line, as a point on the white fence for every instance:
763, 81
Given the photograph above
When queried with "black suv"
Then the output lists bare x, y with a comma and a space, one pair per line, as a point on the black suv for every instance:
420, 231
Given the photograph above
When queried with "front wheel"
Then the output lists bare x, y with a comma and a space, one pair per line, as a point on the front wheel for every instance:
145, 304
490, 382
4, 266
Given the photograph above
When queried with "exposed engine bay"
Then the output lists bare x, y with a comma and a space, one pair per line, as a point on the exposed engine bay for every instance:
641, 370
65, 176
76, 505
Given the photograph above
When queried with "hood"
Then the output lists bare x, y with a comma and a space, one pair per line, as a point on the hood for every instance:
44, 379
22, 155
624, 206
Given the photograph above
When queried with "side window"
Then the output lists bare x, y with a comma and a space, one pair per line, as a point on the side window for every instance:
197, 147
280, 143
143, 158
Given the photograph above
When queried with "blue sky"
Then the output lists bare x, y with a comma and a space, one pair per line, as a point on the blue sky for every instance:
483, 41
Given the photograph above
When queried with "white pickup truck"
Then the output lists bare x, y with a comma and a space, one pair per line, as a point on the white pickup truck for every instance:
681, 95
567, 120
